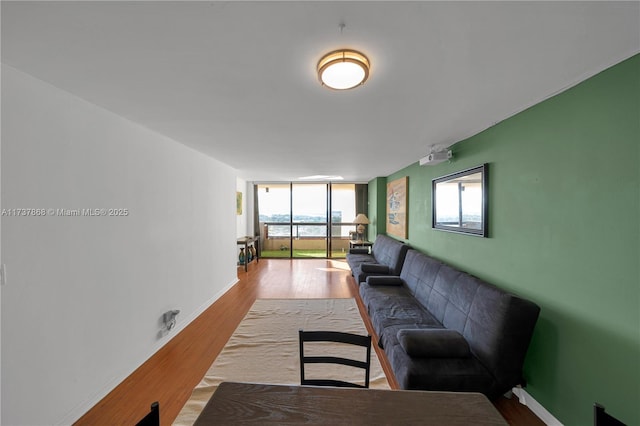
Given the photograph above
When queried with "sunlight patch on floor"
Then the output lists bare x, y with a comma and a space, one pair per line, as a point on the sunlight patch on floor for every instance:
336, 265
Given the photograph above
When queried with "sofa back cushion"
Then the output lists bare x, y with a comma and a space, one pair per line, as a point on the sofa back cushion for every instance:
499, 329
390, 252
419, 273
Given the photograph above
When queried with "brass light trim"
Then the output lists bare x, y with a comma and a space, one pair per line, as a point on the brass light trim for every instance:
331, 66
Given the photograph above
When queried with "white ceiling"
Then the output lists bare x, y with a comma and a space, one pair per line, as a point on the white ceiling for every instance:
236, 80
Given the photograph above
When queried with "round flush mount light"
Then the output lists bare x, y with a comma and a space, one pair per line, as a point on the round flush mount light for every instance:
343, 69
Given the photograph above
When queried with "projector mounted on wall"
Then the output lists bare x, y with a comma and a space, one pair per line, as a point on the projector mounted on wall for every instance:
436, 158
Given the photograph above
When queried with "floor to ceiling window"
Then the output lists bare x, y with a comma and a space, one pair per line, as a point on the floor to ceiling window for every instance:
309, 215
344, 208
308, 220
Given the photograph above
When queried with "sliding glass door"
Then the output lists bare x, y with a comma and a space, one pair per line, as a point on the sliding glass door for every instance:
274, 218
309, 214
343, 212
308, 220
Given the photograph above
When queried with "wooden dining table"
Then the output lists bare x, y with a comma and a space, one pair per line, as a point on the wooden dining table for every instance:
263, 404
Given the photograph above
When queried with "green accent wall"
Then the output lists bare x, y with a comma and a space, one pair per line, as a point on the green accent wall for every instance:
377, 207
564, 214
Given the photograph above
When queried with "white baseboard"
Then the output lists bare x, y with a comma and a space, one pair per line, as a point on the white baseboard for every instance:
526, 399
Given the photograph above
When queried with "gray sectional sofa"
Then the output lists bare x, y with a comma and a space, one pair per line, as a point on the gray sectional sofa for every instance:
445, 330
386, 258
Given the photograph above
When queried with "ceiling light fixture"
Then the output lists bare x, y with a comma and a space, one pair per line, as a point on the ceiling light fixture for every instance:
343, 69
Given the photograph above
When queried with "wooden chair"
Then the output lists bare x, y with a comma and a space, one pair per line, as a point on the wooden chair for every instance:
152, 418
600, 418
336, 337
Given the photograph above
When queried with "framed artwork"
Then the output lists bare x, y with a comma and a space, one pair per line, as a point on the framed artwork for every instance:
397, 207
239, 203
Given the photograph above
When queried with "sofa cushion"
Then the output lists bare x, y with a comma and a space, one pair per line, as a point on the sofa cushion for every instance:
439, 296
374, 268
390, 305
375, 296
356, 259
465, 374
419, 272
402, 312
376, 280
433, 342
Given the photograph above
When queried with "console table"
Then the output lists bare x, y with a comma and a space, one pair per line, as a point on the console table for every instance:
259, 404
248, 242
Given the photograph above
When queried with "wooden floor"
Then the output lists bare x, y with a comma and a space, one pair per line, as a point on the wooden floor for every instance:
171, 374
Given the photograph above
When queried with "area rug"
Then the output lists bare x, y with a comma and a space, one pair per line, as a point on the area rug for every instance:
264, 348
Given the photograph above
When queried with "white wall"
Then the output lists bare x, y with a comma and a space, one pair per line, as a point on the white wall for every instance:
85, 295
1, 259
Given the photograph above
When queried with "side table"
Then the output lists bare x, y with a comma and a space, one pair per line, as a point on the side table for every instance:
248, 242
359, 243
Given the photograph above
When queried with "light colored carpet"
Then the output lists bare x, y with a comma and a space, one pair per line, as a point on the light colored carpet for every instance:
264, 348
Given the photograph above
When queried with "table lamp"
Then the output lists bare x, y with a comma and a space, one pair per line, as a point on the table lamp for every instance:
361, 220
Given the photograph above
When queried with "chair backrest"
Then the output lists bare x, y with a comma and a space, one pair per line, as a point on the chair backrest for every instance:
335, 337
152, 418
600, 418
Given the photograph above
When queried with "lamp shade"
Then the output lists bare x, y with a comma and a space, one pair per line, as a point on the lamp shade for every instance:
361, 219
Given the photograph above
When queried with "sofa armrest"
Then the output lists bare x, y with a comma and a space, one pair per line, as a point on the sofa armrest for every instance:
433, 343
374, 268
391, 280
359, 250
